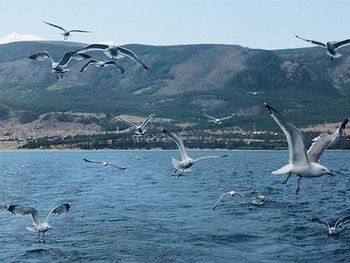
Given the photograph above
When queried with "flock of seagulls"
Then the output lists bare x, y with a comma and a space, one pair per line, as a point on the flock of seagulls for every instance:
301, 163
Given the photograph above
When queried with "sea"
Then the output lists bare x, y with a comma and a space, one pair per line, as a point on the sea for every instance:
146, 214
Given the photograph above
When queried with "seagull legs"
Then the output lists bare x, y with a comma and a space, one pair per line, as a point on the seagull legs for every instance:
285, 181
298, 187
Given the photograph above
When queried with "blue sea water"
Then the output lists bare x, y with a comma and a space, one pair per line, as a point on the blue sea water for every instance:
144, 214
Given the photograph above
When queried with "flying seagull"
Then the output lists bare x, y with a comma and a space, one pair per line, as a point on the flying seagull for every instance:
140, 129
104, 163
186, 161
114, 52
230, 193
218, 120
102, 64
59, 67
332, 230
67, 33
38, 226
330, 46
301, 163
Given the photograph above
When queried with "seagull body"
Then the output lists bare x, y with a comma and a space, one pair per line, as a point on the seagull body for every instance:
59, 67
102, 64
67, 33
218, 120
140, 129
301, 163
114, 52
186, 161
330, 46
230, 193
104, 163
258, 200
38, 226
332, 230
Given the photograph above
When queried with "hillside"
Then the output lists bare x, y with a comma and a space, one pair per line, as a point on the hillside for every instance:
184, 82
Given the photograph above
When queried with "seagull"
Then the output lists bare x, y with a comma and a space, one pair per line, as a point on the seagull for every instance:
66, 33
104, 163
230, 193
59, 67
258, 200
301, 163
38, 226
186, 161
330, 46
138, 157
140, 129
114, 52
102, 64
254, 93
218, 120
332, 230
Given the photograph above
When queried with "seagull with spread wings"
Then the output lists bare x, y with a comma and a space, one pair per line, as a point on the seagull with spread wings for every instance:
104, 163
102, 64
330, 46
302, 163
218, 120
59, 67
230, 193
332, 230
38, 226
67, 33
114, 52
140, 129
186, 161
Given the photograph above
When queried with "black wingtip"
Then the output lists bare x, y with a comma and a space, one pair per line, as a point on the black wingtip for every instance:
267, 106
10, 208
344, 123
164, 131
313, 219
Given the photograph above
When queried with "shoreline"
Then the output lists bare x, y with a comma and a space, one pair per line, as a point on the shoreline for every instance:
149, 150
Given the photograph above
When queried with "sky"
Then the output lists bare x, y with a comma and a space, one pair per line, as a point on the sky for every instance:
265, 24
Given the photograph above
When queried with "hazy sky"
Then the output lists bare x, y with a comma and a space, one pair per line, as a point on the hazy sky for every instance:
268, 24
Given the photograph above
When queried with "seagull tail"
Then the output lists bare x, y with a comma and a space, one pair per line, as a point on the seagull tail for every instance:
176, 163
336, 55
283, 170
31, 229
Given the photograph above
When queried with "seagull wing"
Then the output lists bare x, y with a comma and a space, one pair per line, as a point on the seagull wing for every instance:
323, 141
69, 55
179, 142
23, 210
55, 26
128, 53
92, 47
228, 117
147, 120
297, 153
218, 201
312, 41
341, 43
341, 221
92, 61
92, 161
41, 56
80, 31
209, 157
58, 210
114, 63
120, 168
128, 122
320, 222
208, 116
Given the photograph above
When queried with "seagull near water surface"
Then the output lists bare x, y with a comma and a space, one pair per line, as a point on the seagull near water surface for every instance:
186, 161
330, 46
59, 67
332, 230
114, 52
140, 129
104, 163
67, 33
218, 120
302, 163
38, 226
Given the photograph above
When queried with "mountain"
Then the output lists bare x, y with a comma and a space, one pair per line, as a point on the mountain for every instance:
183, 83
